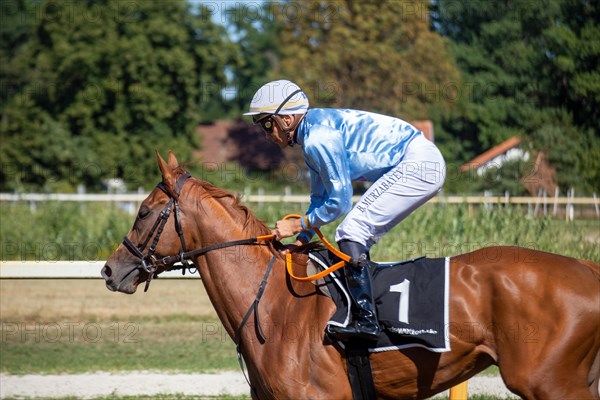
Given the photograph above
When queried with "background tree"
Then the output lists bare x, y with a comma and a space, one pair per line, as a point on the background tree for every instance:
16, 29
256, 33
379, 56
101, 84
529, 69
91, 88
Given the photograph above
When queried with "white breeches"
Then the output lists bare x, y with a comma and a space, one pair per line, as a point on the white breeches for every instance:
418, 177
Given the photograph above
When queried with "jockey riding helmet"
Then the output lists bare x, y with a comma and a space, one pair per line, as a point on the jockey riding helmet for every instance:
280, 97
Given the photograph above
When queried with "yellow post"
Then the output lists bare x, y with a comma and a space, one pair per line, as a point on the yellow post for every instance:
459, 392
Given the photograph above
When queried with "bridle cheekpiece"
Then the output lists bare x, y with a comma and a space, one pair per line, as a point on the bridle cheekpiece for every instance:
149, 262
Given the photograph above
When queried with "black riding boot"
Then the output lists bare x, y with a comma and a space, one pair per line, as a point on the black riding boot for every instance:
364, 323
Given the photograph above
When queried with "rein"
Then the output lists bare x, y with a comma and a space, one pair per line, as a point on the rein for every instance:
150, 263
344, 258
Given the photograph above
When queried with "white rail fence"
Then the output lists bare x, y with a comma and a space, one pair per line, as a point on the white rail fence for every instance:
542, 204
536, 205
65, 269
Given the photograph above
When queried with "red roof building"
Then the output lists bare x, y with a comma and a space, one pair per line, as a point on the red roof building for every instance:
540, 176
496, 156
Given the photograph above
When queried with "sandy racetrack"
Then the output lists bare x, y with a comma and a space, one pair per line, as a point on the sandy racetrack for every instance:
149, 383
54, 300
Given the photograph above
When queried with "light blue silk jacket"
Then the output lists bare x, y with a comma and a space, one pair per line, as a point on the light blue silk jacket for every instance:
341, 146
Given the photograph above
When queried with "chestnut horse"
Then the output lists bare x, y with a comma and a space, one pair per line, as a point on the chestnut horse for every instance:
533, 314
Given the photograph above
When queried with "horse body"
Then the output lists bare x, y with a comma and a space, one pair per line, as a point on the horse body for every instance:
536, 315
290, 361
537, 318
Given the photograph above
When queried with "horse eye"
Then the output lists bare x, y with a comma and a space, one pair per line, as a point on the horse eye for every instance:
144, 212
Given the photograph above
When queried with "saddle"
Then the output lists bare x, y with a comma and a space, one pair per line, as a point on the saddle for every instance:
411, 299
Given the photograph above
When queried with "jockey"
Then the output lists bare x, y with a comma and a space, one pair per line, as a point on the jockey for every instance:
341, 146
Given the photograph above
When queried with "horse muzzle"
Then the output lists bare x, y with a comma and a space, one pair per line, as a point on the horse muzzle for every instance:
124, 283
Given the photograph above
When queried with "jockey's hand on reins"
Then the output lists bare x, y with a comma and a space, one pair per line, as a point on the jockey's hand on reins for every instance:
286, 227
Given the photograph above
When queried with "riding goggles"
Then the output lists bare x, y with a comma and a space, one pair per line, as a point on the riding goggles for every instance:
265, 122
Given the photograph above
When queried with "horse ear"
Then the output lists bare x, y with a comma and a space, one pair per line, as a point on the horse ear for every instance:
168, 174
173, 163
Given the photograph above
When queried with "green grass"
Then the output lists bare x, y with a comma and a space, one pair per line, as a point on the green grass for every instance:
445, 231
184, 397
222, 397
439, 231
61, 231
172, 328
66, 231
156, 345
145, 397
76, 347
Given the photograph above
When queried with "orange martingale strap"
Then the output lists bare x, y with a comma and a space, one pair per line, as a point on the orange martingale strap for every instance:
344, 257
265, 237
334, 267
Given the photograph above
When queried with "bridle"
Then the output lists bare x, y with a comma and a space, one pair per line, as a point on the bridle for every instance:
150, 264
148, 261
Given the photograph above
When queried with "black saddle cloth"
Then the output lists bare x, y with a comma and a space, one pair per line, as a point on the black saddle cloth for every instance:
411, 299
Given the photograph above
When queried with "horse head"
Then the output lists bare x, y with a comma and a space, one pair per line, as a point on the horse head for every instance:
155, 234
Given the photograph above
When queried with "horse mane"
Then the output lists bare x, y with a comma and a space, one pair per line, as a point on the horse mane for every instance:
233, 205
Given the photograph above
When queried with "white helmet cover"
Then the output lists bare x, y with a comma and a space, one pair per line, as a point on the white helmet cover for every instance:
280, 97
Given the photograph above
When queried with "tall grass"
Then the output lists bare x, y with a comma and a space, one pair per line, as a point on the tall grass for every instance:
66, 231
55, 231
439, 230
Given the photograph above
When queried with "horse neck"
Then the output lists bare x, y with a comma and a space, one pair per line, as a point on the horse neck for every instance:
231, 275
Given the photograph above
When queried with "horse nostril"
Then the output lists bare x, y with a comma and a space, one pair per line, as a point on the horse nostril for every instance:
106, 272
